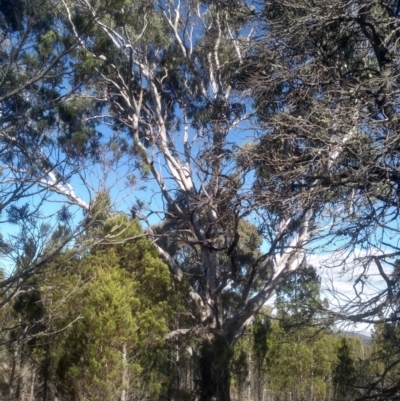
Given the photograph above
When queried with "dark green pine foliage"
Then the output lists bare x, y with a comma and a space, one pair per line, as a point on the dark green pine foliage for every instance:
344, 374
260, 330
115, 348
91, 326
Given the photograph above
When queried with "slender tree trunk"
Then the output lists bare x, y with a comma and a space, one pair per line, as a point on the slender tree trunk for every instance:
32, 392
312, 375
14, 386
214, 370
124, 373
249, 379
46, 375
14, 371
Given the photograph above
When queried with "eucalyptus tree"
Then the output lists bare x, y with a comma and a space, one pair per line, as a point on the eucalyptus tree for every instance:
378, 380
175, 81
172, 78
47, 143
32, 63
50, 192
329, 106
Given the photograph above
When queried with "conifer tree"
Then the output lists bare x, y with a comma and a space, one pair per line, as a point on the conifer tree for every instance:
344, 373
92, 326
114, 350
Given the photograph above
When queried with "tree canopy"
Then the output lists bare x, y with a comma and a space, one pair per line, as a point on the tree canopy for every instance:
264, 132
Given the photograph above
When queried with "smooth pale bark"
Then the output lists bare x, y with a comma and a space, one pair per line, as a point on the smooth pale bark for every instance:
125, 377
200, 176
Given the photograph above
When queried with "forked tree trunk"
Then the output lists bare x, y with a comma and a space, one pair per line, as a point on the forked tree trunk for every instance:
214, 369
